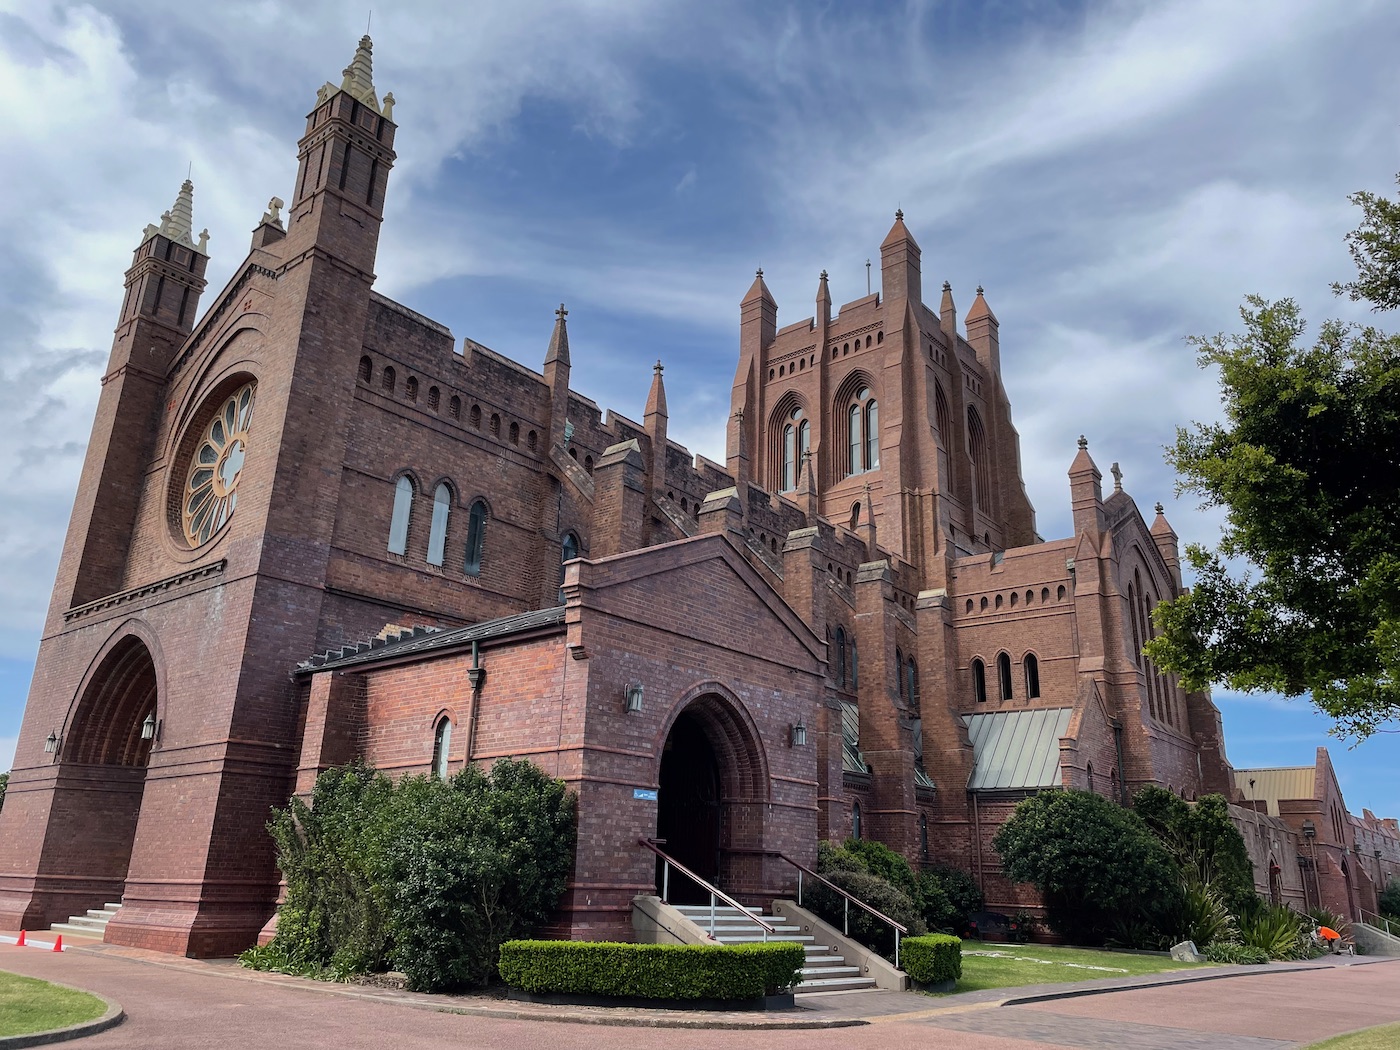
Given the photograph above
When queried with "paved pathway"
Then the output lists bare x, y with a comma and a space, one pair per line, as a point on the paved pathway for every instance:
176, 1003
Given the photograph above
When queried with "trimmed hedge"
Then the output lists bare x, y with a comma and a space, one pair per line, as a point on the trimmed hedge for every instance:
932, 959
1228, 952
651, 971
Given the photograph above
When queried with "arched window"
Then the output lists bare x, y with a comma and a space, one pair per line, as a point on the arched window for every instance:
913, 688
442, 744
1090, 770
568, 549
515, 433
475, 417
1032, 666
840, 658
454, 407
979, 681
1060, 593
403, 509
476, 537
1004, 675
855, 666
434, 398
941, 417
437, 533
855, 515
862, 432
796, 440
532, 439
495, 424
387, 379
977, 449
366, 369
899, 672
855, 820
410, 388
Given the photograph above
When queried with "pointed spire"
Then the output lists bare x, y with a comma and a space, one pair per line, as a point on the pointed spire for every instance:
656, 399
899, 233
980, 310
823, 292
178, 223
758, 290
559, 341
358, 76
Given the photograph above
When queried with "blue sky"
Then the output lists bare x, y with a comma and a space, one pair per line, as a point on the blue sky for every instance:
1117, 175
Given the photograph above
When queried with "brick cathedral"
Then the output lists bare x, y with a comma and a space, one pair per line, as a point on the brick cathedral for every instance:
313, 526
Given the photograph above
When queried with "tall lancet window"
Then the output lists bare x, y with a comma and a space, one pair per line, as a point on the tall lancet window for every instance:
862, 432
797, 439
403, 509
442, 744
437, 533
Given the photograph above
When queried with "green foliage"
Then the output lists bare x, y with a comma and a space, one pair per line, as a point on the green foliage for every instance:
426, 875
1390, 898
1204, 842
652, 971
932, 959
1094, 863
880, 860
1303, 465
1229, 952
947, 896
4, 783
1278, 932
1205, 917
864, 927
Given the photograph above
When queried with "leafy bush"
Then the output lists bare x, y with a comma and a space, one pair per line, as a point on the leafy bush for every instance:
947, 896
880, 860
426, 875
932, 959
1229, 952
1094, 863
1390, 898
1205, 918
1204, 842
652, 971
864, 927
1277, 931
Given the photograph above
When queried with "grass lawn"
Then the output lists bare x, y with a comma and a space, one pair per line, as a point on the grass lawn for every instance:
1011, 965
1386, 1037
30, 1005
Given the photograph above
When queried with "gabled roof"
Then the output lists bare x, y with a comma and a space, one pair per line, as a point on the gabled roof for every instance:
1017, 750
1280, 782
421, 640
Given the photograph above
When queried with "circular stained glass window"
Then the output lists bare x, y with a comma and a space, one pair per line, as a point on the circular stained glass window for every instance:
211, 491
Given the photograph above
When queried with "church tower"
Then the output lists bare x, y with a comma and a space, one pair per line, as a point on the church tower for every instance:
162, 723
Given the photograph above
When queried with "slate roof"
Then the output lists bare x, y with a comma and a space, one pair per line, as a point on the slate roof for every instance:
1017, 750
420, 640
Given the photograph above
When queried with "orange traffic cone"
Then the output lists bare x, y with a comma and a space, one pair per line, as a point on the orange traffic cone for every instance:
20, 943
58, 943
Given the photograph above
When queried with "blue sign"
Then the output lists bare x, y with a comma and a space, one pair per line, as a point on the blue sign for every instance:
644, 794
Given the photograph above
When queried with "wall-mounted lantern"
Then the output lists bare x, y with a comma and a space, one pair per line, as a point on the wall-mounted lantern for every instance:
51, 744
1309, 830
798, 737
150, 728
634, 697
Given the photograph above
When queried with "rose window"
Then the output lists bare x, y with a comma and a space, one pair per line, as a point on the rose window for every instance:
212, 489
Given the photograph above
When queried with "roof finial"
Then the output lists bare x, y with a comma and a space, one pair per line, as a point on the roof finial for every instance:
178, 222
1117, 478
658, 368
1159, 507
358, 77
1083, 441
979, 289
760, 272
899, 215
561, 313
947, 287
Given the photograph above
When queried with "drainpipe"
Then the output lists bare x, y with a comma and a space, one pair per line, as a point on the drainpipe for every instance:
1122, 772
476, 674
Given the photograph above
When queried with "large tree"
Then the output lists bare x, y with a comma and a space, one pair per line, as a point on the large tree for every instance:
1302, 594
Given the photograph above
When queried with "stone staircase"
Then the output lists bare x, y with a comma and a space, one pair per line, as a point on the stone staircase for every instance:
93, 924
1375, 941
825, 970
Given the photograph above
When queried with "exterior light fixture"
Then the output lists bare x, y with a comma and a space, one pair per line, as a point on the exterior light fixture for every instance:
150, 728
51, 744
799, 735
1309, 829
634, 697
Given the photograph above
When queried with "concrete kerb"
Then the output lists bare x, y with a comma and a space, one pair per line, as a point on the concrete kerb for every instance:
113, 1016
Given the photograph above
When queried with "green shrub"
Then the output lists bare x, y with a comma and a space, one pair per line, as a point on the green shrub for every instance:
947, 896
426, 875
880, 860
1204, 842
1095, 864
1229, 952
1390, 898
932, 959
1205, 918
864, 927
652, 971
1278, 932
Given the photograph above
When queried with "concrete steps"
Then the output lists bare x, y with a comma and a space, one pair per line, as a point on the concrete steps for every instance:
93, 924
825, 970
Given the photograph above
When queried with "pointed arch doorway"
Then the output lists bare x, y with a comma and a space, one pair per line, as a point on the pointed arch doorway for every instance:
712, 790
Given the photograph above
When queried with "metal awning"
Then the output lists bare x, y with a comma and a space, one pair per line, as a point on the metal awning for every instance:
1017, 750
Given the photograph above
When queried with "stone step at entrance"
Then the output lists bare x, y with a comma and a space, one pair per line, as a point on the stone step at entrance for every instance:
93, 924
825, 969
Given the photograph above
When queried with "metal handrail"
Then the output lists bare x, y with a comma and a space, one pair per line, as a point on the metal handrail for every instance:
1383, 923
848, 900
716, 894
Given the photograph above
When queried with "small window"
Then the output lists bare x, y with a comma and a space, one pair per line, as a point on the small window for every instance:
475, 417
437, 533
454, 407
403, 509
569, 550
387, 379
855, 515
588, 464
1032, 676
1044, 595
434, 398
855, 820
531, 440
366, 369
1004, 675
979, 681
476, 537
515, 433
495, 425
410, 388
1060, 593
442, 745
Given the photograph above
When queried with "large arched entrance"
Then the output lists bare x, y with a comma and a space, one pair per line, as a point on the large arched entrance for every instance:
114, 726
711, 799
